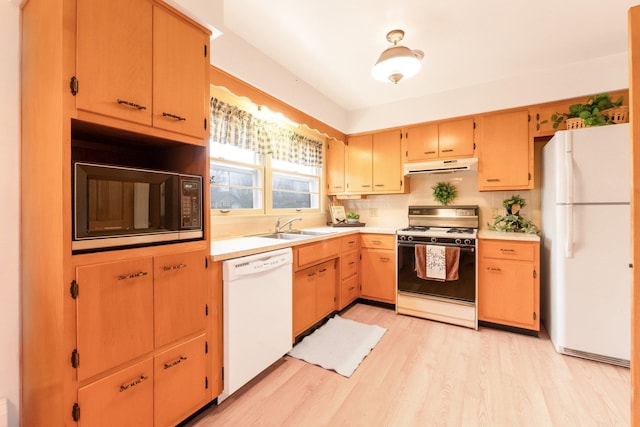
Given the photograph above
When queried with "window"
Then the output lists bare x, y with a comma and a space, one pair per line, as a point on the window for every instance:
261, 167
294, 186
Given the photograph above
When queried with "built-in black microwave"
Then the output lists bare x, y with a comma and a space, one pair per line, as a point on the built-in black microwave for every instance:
116, 206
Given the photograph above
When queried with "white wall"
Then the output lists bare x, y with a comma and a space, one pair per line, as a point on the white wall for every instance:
10, 212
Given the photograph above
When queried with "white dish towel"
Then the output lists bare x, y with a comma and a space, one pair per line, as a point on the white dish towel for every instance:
436, 262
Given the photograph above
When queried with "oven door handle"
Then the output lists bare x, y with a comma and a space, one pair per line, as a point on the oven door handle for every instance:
413, 245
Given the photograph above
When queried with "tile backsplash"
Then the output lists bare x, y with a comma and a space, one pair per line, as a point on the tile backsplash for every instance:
391, 210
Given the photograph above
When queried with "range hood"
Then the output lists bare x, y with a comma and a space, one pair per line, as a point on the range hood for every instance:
441, 166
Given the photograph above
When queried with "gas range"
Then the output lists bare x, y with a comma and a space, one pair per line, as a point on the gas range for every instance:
452, 225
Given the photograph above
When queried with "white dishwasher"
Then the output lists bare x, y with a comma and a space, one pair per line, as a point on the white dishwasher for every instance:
257, 315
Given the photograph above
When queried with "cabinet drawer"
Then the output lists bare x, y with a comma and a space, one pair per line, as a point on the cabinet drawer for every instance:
378, 241
121, 399
504, 249
348, 265
349, 291
350, 243
315, 252
179, 375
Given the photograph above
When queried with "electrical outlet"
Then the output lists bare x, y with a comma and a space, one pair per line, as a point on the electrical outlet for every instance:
373, 212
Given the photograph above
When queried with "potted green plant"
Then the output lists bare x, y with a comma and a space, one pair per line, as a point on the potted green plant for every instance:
353, 218
591, 113
444, 193
514, 204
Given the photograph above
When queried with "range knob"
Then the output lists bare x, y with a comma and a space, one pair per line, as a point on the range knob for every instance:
434, 239
410, 238
402, 237
458, 241
467, 241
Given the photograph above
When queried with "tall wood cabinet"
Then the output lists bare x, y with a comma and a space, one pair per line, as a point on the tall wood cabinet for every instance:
119, 336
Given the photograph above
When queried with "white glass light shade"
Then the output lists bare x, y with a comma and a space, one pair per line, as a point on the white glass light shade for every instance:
397, 62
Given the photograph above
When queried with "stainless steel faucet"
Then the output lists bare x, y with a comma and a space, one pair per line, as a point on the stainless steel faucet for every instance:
279, 226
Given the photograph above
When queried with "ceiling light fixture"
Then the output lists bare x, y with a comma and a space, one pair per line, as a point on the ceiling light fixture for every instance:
397, 62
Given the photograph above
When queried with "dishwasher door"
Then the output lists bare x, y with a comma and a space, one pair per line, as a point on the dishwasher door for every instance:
257, 315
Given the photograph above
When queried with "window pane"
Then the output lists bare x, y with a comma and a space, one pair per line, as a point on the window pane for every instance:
294, 192
235, 187
294, 167
229, 152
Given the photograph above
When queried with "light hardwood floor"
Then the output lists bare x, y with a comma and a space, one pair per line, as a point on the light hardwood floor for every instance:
425, 373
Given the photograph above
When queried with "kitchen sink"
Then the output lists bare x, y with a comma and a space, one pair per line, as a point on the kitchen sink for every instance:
295, 234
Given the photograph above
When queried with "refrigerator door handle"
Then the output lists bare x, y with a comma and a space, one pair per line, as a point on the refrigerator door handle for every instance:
568, 249
568, 181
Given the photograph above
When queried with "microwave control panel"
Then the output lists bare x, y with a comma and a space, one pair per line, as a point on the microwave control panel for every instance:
191, 193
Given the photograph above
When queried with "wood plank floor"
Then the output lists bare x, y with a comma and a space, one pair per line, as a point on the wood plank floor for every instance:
425, 373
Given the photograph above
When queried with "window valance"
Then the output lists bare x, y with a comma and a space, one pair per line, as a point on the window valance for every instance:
237, 127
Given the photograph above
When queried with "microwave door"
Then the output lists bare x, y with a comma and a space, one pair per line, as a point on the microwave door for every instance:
141, 201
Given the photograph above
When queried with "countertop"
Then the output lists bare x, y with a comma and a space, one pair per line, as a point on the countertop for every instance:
504, 235
242, 246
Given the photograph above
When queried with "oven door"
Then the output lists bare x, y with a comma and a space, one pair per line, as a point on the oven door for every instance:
463, 289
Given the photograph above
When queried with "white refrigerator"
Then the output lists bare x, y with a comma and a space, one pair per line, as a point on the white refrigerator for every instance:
585, 274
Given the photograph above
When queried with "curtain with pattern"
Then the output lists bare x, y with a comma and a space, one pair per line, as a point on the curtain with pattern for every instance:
237, 127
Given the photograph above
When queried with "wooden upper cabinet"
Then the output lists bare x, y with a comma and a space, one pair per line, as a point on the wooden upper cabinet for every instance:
114, 62
451, 139
505, 160
387, 162
335, 166
360, 164
180, 60
455, 138
141, 63
421, 143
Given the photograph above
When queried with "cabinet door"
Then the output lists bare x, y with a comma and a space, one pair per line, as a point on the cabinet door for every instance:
180, 388
114, 314
326, 289
335, 167
421, 143
505, 157
359, 163
387, 162
455, 138
304, 299
121, 399
114, 64
507, 294
179, 74
378, 275
179, 296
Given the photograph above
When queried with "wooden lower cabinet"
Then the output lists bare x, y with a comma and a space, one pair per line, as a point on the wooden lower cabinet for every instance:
378, 267
509, 283
314, 293
121, 399
141, 332
180, 387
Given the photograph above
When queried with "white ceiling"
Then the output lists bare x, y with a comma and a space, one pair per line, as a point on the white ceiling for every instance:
332, 44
